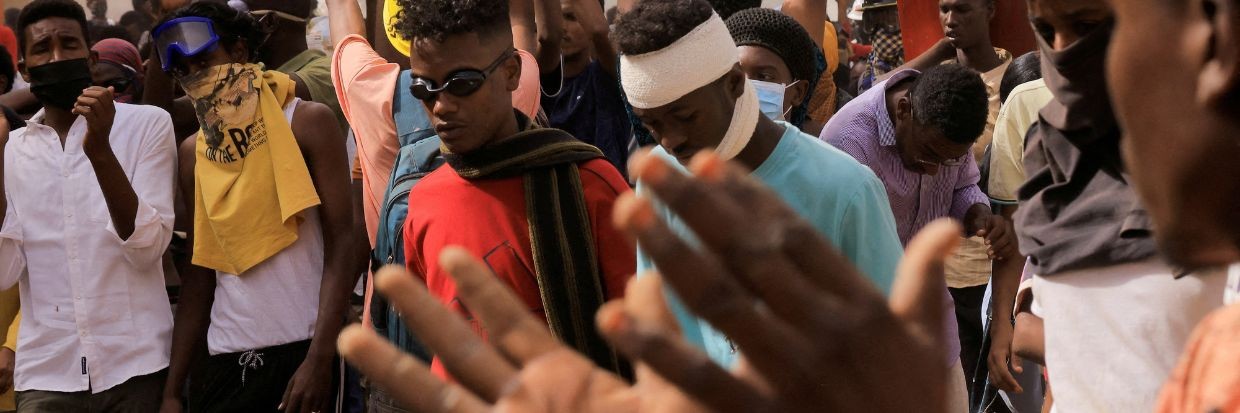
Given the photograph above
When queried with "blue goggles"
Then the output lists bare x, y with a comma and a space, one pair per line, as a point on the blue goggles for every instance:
183, 37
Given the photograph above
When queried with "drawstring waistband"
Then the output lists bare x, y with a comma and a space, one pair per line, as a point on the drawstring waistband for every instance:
249, 360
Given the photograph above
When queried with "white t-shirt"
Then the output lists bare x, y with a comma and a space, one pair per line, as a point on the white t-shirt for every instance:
277, 301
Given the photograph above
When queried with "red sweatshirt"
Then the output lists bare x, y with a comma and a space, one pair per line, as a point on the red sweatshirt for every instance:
487, 218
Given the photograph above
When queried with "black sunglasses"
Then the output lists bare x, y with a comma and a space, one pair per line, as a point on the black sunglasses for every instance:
461, 83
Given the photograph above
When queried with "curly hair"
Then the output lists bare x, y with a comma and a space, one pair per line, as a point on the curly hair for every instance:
437, 19
44, 9
655, 24
726, 8
951, 99
231, 25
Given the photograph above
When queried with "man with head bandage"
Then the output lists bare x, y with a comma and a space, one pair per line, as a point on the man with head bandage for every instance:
680, 72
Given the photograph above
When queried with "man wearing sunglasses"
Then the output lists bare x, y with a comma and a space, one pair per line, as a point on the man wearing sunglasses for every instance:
119, 67
272, 238
88, 213
534, 203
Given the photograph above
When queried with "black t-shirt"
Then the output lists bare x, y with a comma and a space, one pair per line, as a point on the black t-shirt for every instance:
589, 107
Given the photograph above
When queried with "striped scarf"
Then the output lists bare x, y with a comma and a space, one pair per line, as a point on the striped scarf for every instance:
561, 238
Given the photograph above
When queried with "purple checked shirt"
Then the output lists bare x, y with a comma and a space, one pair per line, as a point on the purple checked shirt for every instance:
864, 130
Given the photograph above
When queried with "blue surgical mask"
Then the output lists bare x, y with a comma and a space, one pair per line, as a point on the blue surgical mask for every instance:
771, 98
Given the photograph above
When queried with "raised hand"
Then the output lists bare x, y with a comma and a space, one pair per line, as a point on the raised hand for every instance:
818, 336
96, 105
522, 369
815, 335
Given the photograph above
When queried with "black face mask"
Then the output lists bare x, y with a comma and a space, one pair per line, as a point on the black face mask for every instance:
58, 84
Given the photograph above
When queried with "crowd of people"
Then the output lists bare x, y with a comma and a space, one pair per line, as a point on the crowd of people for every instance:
666, 205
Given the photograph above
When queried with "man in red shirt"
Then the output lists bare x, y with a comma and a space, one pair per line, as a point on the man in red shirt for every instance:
535, 203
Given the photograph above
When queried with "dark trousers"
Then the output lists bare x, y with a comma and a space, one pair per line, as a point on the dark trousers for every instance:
141, 394
969, 319
251, 381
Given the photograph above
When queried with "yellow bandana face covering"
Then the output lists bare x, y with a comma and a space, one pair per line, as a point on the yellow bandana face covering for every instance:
251, 181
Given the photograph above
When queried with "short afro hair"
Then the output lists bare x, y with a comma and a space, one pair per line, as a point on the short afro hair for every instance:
45, 9
1026, 68
726, 8
951, 99
655, 24
230, 25
437, 19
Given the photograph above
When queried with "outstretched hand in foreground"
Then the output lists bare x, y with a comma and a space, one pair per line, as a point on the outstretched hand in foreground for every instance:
815, 334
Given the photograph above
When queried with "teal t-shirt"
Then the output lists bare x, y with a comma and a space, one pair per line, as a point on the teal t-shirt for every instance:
843, 199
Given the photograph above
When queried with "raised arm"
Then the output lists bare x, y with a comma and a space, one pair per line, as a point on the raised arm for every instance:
142, 208
344, 19
594, 21
812, 14
550, 22
524, 28
537, 27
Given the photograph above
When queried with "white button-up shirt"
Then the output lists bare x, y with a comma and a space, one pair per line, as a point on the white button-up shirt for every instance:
94, 309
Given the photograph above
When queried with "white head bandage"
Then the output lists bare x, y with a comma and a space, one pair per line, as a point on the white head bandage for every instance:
697, 59
660, 77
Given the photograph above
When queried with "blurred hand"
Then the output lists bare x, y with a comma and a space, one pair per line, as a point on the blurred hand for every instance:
522, 369
815, 334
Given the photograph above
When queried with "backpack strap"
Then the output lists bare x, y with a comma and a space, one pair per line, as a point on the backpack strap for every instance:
412, 122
